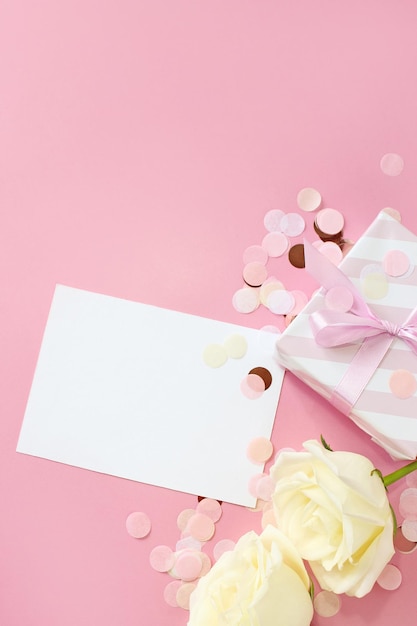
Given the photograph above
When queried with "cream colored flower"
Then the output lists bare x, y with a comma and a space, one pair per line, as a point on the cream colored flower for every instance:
336, 513
262, 582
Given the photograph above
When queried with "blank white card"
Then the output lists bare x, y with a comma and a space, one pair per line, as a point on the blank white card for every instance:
121, 388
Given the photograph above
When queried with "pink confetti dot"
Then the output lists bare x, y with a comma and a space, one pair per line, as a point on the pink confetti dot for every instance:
222, 546
390, 578
330, 221
253, 484
301, 299
396, 263
409, 529
183, 595
206, 564
188, 542
402, 544
255, 253
252, 386
326, 604
259, 450
170, 592
331, 251
392, 164
339, 299
246, 300
201, 527
408, 503
210, 507
138, 525
268, 519
265, 488
254, 274
188, 565
275, 244
162, 558
308, 199
403, 384
272, 220
183, 517
393, 213
292, 224
280, 301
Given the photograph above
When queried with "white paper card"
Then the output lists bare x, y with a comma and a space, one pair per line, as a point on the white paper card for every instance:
121, 388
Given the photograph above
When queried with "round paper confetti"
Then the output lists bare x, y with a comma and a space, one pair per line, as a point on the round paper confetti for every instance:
211, 508
138, 525
162, 558
246, 300
265, 488
308, 199
331, 251
280, 301
408, 503
183, 518
206, 564
296, 255
222, 546
255, 253
375, 286
396, 263
301, 300
183, 595
260, 450
268, 518
214, 355
253, 484
201, 527
392, 164
252, 386
188, 543
326, 603
254, 274
188, 565
403, 384
275, 244
330, 221
292, 224
170, 592
272, 220
339, 299
409, 529
267, 288
236, 346
263, 373
390, 578
402, 544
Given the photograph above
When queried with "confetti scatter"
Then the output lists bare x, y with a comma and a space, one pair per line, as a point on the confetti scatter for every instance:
392, 164
215, 355
326, 604
390, 578
308, 199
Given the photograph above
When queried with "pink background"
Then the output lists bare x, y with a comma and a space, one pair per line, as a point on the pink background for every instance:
141, 143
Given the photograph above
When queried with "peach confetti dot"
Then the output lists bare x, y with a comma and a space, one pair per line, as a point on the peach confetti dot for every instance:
268, 518
246, 300
301, 299
170, 592
408, 503
201, 527
330, 221
392, 164
214, 355
265, 488
393, 213
183, 517
183, 595
275, 244
326, 603
162, 558
210, 507
236, 346
188, 565
254, 274
206, 564
403, 384
222, 546
252, 386
255, 253
260, 450
396, 263
308, 199
331, 251
253, 484
270, 285
272, 220
390, 578
138, 525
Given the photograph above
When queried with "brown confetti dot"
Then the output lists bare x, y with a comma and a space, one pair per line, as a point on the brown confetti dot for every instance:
263, 373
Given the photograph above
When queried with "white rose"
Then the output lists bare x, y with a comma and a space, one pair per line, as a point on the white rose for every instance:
337, 514
262, 582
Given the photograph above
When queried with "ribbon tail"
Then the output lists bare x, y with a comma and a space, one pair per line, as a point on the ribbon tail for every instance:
333, 328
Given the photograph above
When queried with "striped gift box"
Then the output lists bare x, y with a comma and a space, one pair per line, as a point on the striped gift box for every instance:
391, 421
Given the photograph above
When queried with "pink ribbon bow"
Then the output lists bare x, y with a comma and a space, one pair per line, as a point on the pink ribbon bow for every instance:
360, 324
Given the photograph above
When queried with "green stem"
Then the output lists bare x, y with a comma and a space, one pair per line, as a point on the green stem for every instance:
400, 473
